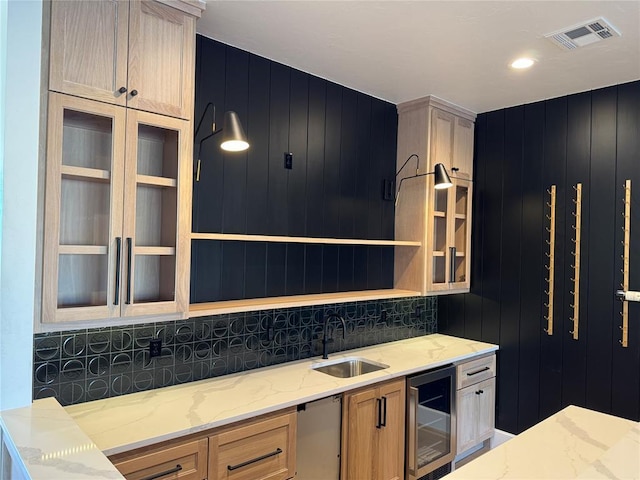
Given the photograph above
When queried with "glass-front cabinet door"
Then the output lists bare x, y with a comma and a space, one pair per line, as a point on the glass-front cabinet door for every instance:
448, 267
83, 210
117, 212
155, 241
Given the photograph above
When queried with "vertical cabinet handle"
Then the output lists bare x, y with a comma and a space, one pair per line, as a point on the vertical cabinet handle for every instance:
129, 255
452, 264
412, 441
116, 299
384, 412
379, 406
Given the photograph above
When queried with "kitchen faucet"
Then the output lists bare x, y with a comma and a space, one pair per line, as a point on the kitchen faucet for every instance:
325, 332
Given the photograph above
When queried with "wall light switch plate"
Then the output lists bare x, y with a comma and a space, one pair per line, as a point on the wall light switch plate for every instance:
288, 160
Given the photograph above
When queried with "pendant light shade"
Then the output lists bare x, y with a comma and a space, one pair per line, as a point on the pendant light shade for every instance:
233, 137
442, 179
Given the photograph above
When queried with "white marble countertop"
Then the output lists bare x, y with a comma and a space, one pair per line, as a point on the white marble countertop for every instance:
575, 443
44, 442
131, 421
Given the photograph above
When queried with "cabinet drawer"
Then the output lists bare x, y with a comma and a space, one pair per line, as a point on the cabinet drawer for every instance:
257, 451
186, 461
475, 371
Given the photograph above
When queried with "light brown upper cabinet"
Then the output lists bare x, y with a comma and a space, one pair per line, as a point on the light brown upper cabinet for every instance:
138, 54
438, 132
117, 212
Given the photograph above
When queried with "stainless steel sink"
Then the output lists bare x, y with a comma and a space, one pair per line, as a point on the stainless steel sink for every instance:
348, 367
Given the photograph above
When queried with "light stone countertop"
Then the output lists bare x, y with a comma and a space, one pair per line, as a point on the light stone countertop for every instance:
575, 443
44, 442
131, 421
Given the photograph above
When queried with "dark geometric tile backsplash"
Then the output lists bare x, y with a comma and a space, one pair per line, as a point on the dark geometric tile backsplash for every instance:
82, 365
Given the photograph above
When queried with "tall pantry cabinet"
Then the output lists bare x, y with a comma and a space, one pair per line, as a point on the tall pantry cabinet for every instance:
117, 210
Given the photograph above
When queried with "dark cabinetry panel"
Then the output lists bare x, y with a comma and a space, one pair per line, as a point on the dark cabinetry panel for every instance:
589, 138
344, 145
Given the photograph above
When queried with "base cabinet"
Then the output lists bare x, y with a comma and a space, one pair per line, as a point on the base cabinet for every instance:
257, 449
373, 425
475, 402
177, 460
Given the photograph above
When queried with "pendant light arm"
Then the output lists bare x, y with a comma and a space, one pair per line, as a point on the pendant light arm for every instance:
206, 109
407, 161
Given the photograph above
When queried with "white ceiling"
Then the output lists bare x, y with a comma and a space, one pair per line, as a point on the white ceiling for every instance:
457, 50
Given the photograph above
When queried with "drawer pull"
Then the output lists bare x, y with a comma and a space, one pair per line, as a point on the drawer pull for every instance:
177, 468
277, 451
477, 372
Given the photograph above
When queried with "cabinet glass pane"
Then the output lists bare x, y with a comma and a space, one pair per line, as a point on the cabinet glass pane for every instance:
433, 421
440, 200
87, 140
156, 216
82, 280
439, 269
462, 194
154, 278
84, 212
440, 234
157, 152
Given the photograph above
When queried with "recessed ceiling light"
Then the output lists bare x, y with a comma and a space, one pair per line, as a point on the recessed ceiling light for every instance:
522, 63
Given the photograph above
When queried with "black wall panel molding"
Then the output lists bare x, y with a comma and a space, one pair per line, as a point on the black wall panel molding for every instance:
83, 365
589, 138
344, 145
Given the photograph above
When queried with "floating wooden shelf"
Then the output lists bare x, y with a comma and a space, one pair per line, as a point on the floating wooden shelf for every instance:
285, 239
235, 306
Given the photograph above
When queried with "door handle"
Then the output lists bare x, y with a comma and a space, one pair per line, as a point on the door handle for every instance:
129, 255
116, 299
452, 264
383, 423
412, 418
177, 468
277, 451
379, 406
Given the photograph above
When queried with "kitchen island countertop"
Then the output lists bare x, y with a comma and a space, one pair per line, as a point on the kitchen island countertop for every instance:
575, 443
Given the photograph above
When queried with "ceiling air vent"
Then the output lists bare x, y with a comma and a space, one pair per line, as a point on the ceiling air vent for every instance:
583, 34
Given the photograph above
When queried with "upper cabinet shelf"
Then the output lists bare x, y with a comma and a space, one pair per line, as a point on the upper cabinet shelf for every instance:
308, 240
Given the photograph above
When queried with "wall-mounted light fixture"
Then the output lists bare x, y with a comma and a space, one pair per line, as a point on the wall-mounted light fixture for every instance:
233, 137
442, 179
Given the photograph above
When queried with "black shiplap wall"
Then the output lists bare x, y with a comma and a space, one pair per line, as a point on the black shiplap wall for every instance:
344, 145
589, 138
